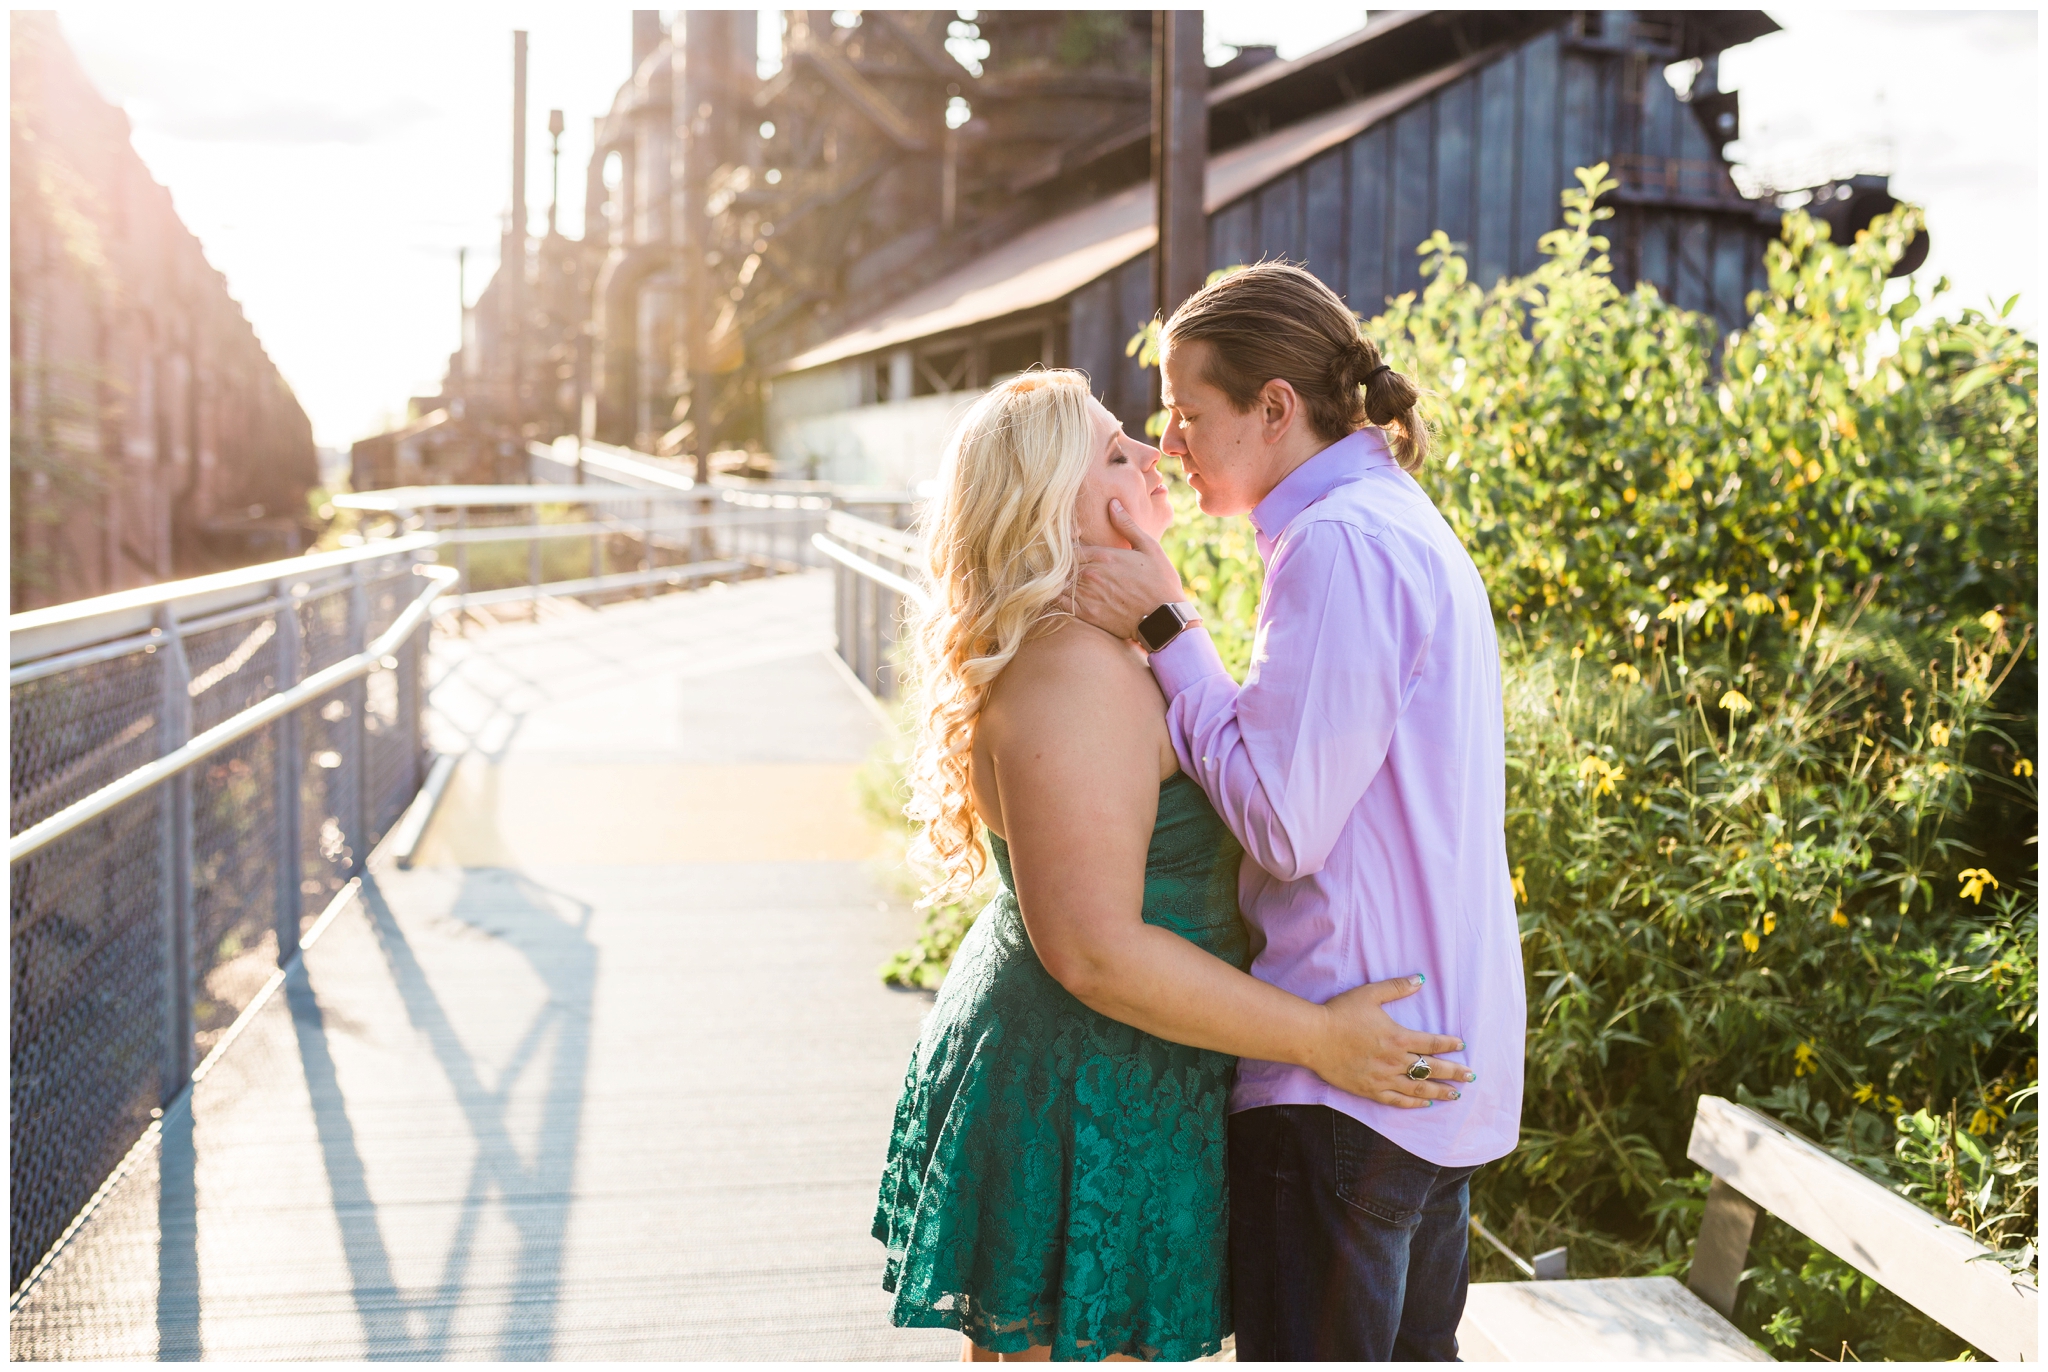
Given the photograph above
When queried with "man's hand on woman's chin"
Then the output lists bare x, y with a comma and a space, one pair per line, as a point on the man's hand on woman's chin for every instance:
1117, 587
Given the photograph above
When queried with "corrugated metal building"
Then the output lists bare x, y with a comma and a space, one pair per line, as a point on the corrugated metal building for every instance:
1343, 160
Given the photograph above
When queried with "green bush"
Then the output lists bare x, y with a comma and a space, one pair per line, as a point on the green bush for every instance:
1770, 690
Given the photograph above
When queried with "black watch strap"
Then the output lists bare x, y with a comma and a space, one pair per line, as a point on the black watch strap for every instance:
1165, 624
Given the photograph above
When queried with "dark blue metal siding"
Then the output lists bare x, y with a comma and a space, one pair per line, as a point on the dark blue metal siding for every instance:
1497, 172
1325, 230
1536, 188
1233, 235
1092, 342
1483, 158
1457, 140
1280, 220
1370, 225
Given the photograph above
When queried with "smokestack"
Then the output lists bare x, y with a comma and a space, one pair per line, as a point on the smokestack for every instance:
512, 257
646, 35
519, 136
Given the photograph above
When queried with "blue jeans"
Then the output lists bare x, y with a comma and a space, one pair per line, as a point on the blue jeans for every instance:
1344, 1247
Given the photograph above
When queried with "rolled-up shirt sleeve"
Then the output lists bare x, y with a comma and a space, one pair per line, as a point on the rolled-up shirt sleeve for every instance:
1343, 631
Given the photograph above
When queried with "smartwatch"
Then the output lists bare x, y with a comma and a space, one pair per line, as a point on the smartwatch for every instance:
1167, 623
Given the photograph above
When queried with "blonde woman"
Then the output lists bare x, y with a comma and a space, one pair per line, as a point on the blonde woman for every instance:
1055, 1182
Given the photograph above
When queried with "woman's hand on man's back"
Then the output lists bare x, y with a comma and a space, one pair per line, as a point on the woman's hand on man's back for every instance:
1366, 1053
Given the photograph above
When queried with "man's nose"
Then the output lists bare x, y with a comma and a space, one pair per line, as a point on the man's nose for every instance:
1173, 442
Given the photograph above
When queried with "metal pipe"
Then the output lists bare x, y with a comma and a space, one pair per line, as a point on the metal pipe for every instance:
237, 727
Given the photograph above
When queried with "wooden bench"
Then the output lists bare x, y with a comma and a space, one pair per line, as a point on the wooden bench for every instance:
1758, 1166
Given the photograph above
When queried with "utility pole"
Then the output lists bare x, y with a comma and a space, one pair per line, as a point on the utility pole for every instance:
1180, 154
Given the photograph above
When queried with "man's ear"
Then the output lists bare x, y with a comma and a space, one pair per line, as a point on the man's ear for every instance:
1278, 406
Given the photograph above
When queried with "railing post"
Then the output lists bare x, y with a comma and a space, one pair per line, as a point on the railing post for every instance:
461, 565
174, 731
533, 563
411, 702
359, 714
290, 779
647, 547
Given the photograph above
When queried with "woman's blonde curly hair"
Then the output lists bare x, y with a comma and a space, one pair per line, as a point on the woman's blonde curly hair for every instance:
999, 539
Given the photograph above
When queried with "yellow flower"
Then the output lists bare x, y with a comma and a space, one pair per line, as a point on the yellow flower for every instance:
1894, 1104
2023, 768
1757, 604
1600, 775
1981, 1123
1937, 734
1992, 620
1866, 1092
1675, 610
1751, 941
1710, 591
1521, 891
1813, 471
1626, 671
1805, 1059
1578, 651
1735, 702
1838, 919
1974, 880
1770, 924
1629, 495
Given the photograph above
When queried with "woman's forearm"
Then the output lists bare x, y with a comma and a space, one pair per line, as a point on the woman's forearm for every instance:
1157, 981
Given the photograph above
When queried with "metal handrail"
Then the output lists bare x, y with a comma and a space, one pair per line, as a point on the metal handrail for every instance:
896, 544
79, 624
903, 586
71, 817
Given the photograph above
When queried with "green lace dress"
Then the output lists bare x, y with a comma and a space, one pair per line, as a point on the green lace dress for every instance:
1055, 1177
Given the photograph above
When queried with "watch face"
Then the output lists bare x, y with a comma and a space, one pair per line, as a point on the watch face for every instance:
1161, 627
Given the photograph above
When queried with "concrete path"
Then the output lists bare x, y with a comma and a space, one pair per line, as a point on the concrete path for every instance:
607, 1075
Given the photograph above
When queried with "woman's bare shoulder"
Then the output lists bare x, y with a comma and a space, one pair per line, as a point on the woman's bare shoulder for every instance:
1073, 665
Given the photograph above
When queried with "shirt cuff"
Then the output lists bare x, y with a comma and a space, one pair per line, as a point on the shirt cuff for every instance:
1190, 658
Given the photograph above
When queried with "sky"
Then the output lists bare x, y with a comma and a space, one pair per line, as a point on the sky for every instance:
332, 160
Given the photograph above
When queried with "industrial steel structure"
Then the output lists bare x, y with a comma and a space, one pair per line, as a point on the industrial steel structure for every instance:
152, 436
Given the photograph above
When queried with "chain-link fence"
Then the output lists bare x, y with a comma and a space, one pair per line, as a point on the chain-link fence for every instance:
138, 936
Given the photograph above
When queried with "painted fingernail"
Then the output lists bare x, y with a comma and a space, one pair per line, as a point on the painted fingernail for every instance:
1455, 1095
1420, 978
1426, 1104
1471, 1076
1461, 1045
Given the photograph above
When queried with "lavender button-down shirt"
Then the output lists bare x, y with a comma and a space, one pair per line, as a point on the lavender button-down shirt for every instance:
1362, 766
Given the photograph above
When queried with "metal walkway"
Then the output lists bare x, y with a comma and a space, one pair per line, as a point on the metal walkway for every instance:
607, 1075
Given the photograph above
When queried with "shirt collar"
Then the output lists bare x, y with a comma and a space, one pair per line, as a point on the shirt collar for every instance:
1344, 461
